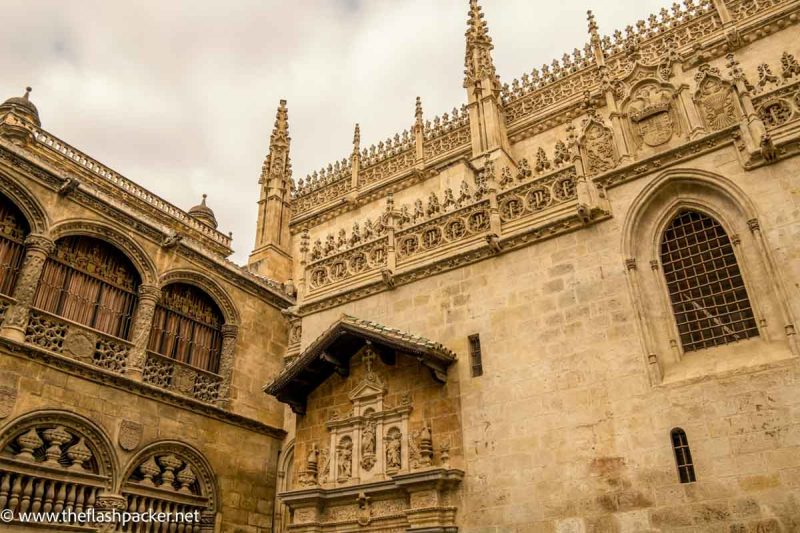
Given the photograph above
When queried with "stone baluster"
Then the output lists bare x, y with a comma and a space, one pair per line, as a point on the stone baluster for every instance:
37, 248
229, 335
142, 324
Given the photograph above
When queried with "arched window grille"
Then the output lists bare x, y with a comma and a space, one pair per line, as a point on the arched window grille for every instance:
708, 295
187, 327
13, 230
683, 456
89, 282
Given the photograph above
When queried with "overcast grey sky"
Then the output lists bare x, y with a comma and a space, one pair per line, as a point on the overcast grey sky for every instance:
180, 96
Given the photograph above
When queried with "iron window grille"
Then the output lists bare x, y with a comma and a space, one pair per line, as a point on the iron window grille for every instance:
683, 456
706, 289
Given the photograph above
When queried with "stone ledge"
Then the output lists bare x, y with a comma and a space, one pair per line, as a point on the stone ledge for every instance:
120, 382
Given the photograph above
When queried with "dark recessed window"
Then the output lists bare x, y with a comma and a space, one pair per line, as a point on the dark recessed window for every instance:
683, 456
475, 358
705, 285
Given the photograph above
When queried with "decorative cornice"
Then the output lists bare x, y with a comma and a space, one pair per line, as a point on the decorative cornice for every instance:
120, 382
232, 273
478, 250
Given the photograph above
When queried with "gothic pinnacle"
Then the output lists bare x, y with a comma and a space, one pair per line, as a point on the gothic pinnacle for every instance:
277, 161
418, 112
357, 139
592, 24
478, 58
477, 30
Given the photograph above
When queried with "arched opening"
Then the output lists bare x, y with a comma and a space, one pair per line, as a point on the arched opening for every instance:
706, 289
51, 461
683, 456
187, 327
13, 230
90, 282
172, 477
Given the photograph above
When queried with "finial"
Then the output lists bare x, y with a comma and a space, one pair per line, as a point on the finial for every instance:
592, 23
418, 111
26, 96
203, 201
478, 59
357, 139
277, 162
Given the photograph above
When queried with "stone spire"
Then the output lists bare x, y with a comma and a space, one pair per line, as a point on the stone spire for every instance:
277, 162
271, 256
478, 65
357, 139
484, 102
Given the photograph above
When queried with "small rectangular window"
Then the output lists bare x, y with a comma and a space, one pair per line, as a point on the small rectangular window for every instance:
476, 363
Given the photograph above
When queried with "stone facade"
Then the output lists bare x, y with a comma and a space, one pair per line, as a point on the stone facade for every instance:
88, 419
534, 217
476, 325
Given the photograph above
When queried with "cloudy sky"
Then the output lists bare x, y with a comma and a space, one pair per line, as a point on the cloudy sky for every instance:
180, 96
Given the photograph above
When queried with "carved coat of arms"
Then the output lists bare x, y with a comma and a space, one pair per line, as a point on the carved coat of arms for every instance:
651, 115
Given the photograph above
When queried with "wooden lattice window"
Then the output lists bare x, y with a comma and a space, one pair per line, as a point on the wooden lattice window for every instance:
188, 327
90, 282
708, 295
683, 456
13, 230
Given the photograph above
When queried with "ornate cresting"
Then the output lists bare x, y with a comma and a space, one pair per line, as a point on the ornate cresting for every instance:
37, 248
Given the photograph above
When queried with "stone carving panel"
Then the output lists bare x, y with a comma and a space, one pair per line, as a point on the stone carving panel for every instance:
130, 435
651, 114
715, 99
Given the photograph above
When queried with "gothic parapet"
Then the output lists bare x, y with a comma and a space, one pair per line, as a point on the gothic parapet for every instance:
438, 232
610, 68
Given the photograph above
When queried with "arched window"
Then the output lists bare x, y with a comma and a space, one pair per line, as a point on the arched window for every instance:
13, 230
89, 282
708, 296
187, 327
683, 456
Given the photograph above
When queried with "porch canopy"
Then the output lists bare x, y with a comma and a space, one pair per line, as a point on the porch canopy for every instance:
332, 350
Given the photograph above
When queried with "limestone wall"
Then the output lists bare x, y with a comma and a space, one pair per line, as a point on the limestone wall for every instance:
564, 431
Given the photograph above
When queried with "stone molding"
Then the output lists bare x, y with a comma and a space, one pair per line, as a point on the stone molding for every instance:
121, 382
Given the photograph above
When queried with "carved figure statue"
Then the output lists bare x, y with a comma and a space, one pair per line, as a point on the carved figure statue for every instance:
393, 443
344, 459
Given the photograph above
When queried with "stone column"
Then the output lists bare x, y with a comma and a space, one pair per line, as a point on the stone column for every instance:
208, 521
37, 248
142, 324
229, 334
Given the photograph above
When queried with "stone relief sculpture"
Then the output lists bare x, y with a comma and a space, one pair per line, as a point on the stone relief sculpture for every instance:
344, 459
651, 115
323, 465
421, 448
393, 445
715, 99
368, 446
